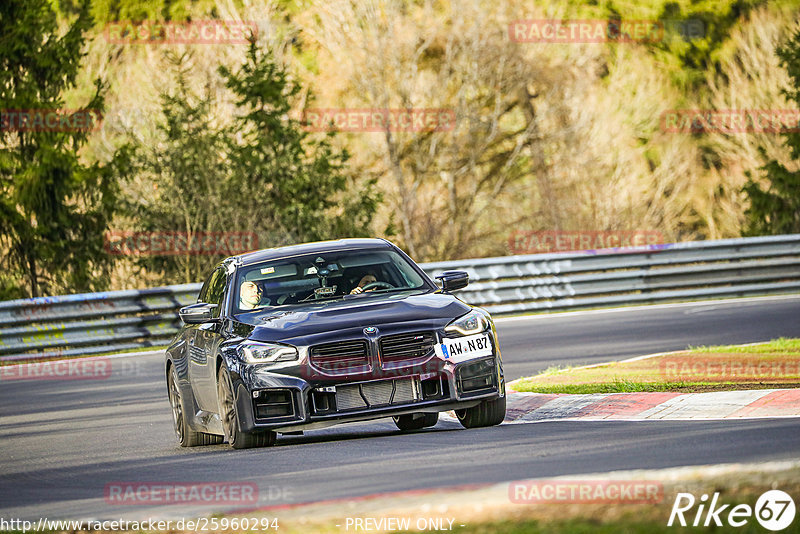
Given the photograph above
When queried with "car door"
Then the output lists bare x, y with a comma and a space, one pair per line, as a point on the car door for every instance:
202, 371
193, 353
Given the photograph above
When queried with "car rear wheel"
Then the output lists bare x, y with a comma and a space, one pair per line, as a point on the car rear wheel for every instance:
487, 413
186, 436
415, 421
230, 420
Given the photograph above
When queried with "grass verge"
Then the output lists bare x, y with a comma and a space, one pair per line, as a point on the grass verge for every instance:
775, 364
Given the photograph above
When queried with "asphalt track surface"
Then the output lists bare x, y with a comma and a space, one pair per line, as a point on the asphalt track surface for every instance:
64, 441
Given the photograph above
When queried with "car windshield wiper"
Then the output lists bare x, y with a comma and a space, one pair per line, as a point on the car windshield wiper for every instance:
387, 290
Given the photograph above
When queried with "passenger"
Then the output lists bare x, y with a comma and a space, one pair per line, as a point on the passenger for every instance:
249, 296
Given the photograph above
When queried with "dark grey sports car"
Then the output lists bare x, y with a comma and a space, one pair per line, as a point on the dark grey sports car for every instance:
294, 338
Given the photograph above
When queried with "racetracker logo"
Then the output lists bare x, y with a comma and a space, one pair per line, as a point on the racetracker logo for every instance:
142, 493
78, 369
179, 243
50, 120
730, 121
426, 371
586, 492
530, 242
730, 368
194, 32
586, 31
379, 120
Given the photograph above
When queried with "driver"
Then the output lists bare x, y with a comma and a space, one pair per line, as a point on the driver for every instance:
249, 295
366, 279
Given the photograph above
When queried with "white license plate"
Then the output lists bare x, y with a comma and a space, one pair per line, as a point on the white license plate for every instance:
464, 348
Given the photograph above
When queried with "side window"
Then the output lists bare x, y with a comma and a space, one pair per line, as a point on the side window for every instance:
216, 290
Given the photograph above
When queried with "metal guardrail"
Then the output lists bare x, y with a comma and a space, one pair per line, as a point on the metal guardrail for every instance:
95, 323
91, 323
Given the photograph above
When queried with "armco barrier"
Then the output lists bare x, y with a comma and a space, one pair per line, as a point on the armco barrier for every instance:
117, 320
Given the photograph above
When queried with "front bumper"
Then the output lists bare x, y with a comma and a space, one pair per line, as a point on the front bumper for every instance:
274, 401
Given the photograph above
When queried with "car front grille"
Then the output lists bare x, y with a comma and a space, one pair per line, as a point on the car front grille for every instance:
407, 346
341, 356
375, 394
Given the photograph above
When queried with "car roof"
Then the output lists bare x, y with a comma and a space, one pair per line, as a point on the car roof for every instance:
318, 247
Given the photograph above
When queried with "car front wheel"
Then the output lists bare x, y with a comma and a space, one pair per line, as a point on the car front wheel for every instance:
487, 413
230, 420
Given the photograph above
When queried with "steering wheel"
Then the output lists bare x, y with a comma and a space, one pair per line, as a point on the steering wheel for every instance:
377, 284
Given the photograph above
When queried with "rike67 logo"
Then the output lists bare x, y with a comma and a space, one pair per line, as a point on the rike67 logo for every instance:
774, 510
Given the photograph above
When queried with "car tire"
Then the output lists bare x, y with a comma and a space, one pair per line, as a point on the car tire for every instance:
410, 422
487, 413
230, 420
186, 436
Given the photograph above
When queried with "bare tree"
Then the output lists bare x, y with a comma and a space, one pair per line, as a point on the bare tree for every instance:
445, 185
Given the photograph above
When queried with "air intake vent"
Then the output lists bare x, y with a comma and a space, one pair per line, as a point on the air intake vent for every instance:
342, 356
274, 403
377, 393
477, 377
408, 346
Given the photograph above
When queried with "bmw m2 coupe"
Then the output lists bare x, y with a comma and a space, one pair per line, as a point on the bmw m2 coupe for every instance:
301, 337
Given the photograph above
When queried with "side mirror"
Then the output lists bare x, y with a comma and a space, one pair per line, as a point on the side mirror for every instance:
452, 280
197, 313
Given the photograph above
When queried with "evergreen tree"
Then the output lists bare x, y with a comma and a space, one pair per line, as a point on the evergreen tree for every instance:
297, 182
53, 207
776, 209
262, 173
189, 172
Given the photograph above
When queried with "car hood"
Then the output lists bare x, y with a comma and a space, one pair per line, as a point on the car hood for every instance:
341, 316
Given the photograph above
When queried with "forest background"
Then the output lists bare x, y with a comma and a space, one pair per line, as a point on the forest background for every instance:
206, 138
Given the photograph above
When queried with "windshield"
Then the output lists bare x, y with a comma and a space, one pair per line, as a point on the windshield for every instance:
332, 275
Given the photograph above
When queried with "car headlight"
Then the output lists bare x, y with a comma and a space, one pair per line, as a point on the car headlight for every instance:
472, 323
254, 352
